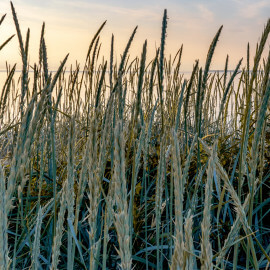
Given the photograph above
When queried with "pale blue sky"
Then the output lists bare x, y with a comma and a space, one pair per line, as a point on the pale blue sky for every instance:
70, 26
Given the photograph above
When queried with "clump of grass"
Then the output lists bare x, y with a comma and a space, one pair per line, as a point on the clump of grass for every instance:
4, 258
206, 247
120, 192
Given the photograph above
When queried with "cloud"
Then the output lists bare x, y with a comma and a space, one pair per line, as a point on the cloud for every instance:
205, 13
112, 10
254, 9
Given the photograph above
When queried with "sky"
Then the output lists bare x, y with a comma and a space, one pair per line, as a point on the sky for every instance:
70, 26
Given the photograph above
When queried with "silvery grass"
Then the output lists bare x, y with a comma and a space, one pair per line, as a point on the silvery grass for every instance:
4, 258
127, 164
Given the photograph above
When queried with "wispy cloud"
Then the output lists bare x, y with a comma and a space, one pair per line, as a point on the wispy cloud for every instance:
112, 10
254, 9
205, 13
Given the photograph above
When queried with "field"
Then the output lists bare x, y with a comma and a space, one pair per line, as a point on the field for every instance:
129, 165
